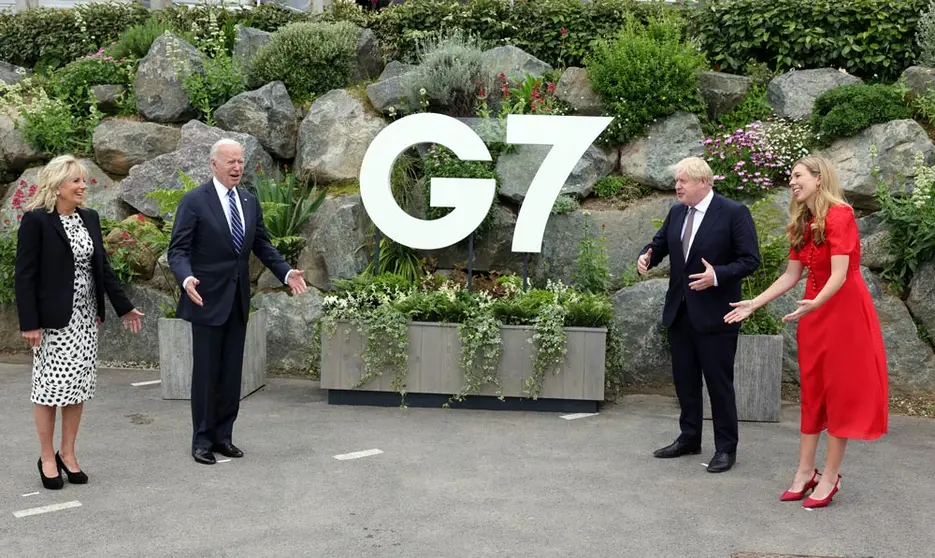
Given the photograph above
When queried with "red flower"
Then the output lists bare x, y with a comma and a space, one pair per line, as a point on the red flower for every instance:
564, 32
93, 181
140, 217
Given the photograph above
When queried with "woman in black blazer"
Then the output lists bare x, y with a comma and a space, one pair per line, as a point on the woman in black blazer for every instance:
61, 276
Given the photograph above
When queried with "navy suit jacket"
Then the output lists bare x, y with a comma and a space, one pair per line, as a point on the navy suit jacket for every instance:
202, 247
727, 239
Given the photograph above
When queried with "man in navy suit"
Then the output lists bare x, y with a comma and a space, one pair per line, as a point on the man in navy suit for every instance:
712, 245
216, 227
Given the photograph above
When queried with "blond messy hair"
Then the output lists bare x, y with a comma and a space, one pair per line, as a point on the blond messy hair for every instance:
53, 175
694, 168
829, 194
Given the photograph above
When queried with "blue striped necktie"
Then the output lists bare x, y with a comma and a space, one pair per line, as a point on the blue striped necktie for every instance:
236, 225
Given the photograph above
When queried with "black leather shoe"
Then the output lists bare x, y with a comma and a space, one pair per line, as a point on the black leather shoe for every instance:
74, 478
227, 449
677, 449
721, 462
203, 456
51, 483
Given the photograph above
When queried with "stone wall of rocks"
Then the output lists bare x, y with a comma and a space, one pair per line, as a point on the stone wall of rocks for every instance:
328, 140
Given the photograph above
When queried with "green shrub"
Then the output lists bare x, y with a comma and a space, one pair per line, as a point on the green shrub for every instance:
925, 36
910, 221
647, 72
873, 39
846, 110
450, 73
556, 31
753, 107
72, 84
309, 58
51, 37
136, 41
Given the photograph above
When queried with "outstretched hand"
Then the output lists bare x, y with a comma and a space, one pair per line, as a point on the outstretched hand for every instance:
131, 321
741, 311
805, 306
296, 282
642, 263
704, 280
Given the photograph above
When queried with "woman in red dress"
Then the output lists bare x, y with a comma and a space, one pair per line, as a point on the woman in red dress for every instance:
842, 359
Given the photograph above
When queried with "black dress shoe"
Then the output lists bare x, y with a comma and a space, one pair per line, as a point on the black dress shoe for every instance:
203, 456
227, 449
74, 478
677, 449
51, 483
721, 462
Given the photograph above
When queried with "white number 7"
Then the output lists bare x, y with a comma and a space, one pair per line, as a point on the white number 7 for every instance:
471, 198
570, 137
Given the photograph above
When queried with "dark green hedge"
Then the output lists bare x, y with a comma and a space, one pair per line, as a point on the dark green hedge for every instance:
873, 39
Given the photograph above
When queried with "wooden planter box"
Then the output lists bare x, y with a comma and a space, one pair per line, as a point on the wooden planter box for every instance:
757, 379
175, 356
434, 352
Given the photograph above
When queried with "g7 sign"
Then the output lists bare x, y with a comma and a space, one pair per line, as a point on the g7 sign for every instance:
471, 198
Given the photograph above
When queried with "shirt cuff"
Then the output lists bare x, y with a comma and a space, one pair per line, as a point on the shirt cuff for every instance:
286, 280
715, 277
185, 282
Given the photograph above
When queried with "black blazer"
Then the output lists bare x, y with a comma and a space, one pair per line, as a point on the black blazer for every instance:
201, 246
45, 271
727, 240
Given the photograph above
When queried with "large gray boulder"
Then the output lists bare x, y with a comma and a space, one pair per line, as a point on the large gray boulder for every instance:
334, 136
574, 88
649, 159
119, 145
723, 92
247, 43
638, 320
335, 235
919, 79
15, 152
369, 58
267, 114
160, 96
921, 299
896, 143
192, 158
291, 329
792, 94
513, 62
492, 251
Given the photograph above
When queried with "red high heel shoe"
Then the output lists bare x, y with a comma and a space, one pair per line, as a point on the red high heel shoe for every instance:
789, 496
812, 503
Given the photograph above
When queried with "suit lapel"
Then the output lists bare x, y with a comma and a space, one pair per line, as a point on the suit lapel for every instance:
214, 204
710, 216
59, 227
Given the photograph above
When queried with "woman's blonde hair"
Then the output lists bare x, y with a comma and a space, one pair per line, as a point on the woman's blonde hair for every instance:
59, 170
829, 194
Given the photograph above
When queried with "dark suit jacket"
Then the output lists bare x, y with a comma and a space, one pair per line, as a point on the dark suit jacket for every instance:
45, 271
727, 239
202, 247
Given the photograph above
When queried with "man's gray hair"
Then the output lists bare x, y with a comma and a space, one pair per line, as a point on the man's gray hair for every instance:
220, 143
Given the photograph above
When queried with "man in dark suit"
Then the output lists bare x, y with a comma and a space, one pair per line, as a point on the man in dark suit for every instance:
216, 227
712, 245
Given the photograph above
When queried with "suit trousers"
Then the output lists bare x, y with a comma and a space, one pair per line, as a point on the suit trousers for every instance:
712, 355
217, 368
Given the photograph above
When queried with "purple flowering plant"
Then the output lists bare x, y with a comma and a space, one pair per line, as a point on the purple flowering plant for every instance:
753, 160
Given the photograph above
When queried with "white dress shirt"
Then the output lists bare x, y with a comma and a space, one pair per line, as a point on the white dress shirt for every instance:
226, 206
701, 208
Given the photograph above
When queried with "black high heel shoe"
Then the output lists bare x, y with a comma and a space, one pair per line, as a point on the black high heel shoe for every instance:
51, 483
73, 478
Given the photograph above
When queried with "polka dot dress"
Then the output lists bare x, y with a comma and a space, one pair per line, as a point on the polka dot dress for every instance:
65, 363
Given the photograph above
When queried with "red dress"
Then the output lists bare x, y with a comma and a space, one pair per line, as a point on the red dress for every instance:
842, 358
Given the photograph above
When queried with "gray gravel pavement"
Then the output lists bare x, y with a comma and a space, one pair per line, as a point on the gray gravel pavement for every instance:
447, 483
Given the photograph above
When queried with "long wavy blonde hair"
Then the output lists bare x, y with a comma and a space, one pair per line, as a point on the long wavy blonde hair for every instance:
829, 194
59, 170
